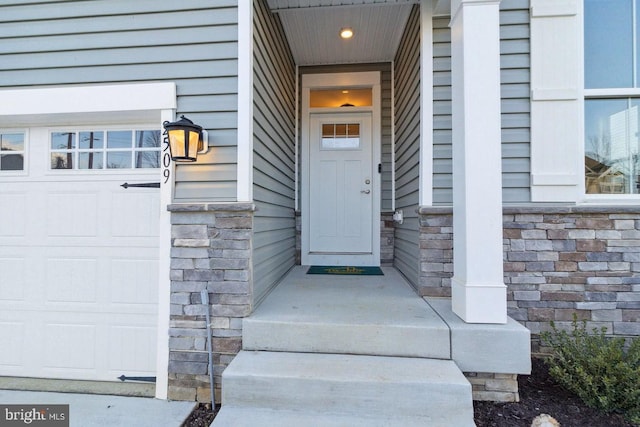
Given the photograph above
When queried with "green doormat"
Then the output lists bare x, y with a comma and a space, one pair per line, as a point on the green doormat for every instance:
355, 271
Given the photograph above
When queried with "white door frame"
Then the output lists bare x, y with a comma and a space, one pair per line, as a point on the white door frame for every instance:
335, 81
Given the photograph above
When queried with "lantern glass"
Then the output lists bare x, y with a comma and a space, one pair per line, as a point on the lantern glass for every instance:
185, 140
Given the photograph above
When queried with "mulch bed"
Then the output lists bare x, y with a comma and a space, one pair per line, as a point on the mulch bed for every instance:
202, 416
539, 394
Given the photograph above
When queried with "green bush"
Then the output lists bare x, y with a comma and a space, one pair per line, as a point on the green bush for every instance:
601, 370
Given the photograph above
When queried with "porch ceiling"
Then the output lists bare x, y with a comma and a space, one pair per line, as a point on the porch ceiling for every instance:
312, 28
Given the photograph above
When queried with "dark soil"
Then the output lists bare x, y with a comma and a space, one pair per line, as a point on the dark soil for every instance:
202, 416
539, 394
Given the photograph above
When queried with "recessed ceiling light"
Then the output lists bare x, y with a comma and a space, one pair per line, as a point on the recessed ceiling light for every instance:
346, 33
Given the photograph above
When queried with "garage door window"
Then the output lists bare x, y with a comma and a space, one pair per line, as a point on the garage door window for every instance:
105, 149
12, 151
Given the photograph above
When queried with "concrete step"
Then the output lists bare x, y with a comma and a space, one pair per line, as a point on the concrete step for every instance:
303, 385
230, 416
376, 315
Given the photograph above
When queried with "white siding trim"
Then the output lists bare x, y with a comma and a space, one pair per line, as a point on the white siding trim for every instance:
556, 101
88, 99
553, 8
553, 179
568, 94
297, 142
164, 282
612, 93
426, 103
245, 102
393, 136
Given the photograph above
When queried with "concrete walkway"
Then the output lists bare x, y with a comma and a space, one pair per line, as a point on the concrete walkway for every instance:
92, 410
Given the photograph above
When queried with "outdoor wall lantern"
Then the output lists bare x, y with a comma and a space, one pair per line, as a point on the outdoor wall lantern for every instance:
186, 140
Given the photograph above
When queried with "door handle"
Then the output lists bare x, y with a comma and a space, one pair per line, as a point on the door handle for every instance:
365, 191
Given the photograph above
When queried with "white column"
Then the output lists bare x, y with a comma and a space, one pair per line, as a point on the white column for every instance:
478, 289
245, 102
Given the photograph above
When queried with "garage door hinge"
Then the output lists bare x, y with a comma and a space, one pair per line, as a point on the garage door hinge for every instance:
145, 379
144, 184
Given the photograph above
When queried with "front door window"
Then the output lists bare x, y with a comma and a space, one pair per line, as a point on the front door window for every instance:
340, 136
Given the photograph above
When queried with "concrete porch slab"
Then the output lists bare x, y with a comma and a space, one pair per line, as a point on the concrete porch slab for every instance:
93, 410
374, 315
500, 349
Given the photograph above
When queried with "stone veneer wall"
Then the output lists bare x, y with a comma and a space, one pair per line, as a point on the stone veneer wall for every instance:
494, 387
210, 249
387, 237
558, 262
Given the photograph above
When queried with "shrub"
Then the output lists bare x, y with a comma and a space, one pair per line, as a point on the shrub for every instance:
601, 370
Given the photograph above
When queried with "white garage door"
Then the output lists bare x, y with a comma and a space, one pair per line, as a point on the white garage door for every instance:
78, 253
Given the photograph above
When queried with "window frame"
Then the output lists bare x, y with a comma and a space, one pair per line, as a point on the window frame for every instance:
104, 150
629, 93
25, 153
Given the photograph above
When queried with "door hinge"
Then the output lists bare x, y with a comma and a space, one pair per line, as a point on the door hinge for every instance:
379, 167
143, 185
143, 379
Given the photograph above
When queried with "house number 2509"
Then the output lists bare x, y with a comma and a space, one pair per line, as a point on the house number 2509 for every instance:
166, 158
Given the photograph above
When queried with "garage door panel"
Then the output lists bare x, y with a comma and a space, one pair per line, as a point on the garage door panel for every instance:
70, 347
72, 280
72, 215
131, 350
13, 283
134, 281
12, 348
13, 214
134, 214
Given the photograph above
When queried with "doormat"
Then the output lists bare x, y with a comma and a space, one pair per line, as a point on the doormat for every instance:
354, 271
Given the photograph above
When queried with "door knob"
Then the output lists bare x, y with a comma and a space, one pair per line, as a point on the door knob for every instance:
365, 191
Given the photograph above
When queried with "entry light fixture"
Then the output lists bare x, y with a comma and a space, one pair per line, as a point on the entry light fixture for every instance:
186, 140
346, 32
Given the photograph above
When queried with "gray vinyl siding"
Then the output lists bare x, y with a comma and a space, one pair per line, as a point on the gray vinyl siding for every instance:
57, 43
515, 104
442, 150
274, 89
407, 147
385, 87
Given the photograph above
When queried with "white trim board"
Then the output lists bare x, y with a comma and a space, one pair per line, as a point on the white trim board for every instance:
244, 190
98, 104
84, 99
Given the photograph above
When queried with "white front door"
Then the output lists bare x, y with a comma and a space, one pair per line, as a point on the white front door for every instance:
342, 189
